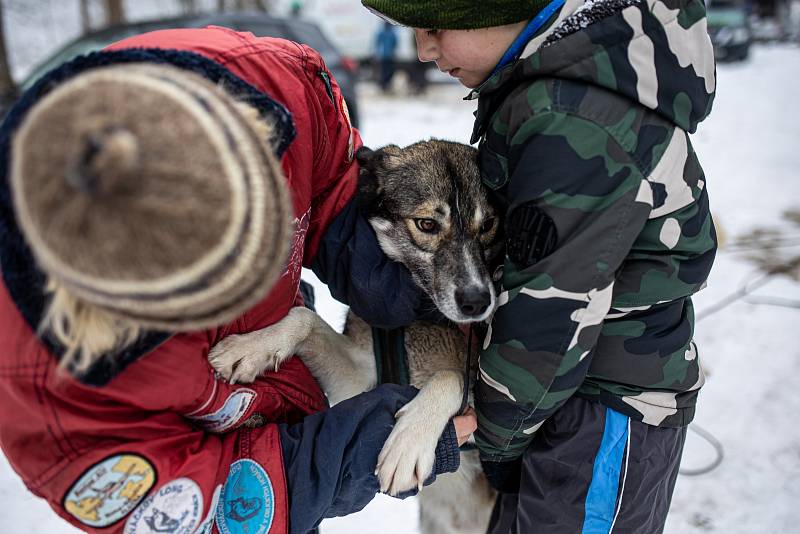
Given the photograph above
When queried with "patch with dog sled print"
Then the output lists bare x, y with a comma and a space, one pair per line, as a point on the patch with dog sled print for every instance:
175, 508
247, 504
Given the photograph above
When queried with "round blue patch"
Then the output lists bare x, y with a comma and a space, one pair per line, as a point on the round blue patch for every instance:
247, 504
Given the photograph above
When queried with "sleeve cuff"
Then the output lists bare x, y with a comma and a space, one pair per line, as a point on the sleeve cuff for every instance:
503, 476
448, 457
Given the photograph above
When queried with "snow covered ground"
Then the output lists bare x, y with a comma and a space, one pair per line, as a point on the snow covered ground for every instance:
749, 149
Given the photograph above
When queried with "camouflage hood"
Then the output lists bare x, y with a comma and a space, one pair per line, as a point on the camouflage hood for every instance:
655, 52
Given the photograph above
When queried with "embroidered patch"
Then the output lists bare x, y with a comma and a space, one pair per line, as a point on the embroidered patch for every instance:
109, 490
208, 523
231, 412
247, 505
531, 235
294, 265
175, 508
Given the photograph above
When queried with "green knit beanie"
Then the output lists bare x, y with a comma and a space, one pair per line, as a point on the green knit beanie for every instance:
455, 14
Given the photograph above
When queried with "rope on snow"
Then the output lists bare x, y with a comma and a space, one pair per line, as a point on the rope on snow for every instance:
719, 452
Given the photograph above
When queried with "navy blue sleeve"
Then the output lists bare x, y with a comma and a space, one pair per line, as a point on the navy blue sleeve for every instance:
357, 272
330, 457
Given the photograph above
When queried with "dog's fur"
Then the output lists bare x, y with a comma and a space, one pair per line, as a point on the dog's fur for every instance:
430, 212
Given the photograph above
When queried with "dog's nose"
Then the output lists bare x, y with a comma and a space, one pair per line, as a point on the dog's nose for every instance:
473, 300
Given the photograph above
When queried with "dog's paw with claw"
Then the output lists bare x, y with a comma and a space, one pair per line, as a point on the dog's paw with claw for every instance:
408, 455
242, 358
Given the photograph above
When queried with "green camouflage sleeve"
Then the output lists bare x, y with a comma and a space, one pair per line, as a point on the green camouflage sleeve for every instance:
573, 174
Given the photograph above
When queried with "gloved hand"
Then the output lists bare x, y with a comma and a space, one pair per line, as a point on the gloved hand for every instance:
503, 476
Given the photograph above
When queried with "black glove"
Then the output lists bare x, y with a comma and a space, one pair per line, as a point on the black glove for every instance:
352, 264
503, 476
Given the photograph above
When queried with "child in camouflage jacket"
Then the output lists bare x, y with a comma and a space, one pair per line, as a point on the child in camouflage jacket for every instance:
588, 374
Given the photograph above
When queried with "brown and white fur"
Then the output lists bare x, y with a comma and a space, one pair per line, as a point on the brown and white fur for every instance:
430, 212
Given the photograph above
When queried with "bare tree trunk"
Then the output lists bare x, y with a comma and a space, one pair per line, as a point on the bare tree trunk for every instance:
86, 20
261, 5
115, 12
240, 5
8, 89
220, 5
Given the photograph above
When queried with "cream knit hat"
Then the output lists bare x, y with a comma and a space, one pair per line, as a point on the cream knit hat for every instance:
149, 192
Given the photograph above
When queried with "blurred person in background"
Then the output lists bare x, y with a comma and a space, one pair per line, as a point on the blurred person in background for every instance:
385, 52
151, 196
296, 9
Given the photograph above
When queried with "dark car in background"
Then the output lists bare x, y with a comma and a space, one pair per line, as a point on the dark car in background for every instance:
261, 25
729, 30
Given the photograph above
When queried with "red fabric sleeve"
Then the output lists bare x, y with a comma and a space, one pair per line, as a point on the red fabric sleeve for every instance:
126, 470
335, 176
110, 465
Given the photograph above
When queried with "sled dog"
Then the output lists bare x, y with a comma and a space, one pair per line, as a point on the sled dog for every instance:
429, 211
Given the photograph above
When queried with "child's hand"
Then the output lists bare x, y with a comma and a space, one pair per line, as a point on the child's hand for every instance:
465, 425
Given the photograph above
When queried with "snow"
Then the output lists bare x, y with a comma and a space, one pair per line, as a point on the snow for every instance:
749, 149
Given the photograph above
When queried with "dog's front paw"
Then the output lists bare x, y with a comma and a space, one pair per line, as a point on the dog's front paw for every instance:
242, 358
408, 455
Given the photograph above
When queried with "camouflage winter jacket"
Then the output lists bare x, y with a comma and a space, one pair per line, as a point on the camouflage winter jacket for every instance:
584, 140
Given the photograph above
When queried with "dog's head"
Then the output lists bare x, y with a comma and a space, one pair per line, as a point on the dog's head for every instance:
431, 213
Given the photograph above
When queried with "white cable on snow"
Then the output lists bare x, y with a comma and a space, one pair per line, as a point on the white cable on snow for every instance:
718, 450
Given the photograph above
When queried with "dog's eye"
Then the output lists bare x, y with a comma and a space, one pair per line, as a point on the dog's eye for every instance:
429, 226
487, 225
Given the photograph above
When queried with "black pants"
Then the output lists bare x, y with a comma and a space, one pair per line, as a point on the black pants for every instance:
387, 69
592, 470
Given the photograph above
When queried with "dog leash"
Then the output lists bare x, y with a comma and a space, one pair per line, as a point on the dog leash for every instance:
467, 369
391, 360
465, 398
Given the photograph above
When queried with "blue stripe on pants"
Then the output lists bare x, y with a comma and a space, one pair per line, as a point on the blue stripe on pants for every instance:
602, 496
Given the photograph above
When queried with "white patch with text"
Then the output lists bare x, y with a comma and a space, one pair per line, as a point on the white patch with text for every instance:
175, 508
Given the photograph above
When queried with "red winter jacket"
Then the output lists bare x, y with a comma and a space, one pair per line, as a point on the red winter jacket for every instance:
164, 426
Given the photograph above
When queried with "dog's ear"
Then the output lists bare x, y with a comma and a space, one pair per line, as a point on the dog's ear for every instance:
368, 193
374, 164
375, 161
364, 156
367, 181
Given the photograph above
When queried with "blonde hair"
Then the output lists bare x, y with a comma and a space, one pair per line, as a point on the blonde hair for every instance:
261, 127
86, 331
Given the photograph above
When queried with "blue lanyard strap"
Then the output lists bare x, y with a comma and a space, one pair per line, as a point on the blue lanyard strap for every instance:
527, 34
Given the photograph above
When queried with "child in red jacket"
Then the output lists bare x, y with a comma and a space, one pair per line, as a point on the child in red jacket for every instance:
142, 222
